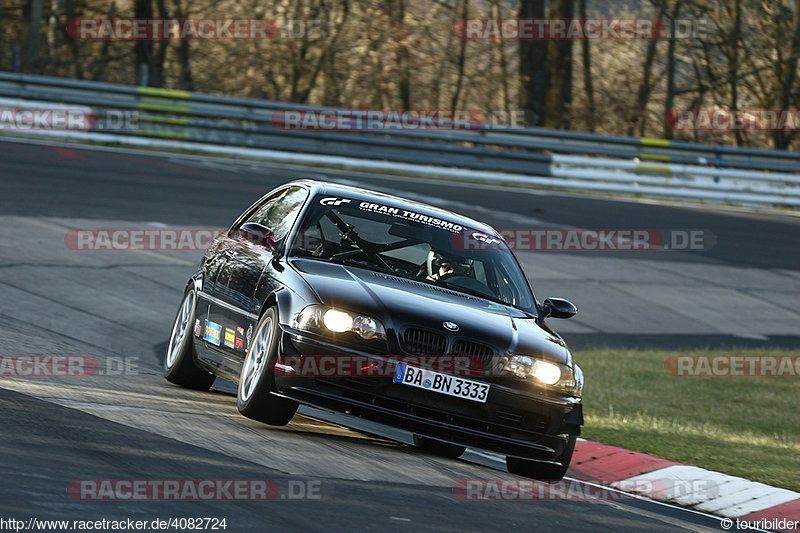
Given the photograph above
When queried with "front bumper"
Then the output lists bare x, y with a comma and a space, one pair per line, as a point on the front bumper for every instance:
512, 422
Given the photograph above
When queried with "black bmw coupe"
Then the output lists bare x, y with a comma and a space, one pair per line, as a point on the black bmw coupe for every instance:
385, 309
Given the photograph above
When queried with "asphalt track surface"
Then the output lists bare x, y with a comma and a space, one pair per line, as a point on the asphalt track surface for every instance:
118, 307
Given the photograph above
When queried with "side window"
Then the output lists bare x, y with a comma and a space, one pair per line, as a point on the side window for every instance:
279, 212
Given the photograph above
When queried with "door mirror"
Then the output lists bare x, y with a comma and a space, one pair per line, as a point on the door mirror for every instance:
256, 236
558, 308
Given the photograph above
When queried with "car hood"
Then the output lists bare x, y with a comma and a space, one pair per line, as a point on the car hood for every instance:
401, 303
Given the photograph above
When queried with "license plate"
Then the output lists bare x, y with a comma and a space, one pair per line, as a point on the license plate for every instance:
442, 383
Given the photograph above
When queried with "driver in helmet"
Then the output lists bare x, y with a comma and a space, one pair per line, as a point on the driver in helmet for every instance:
443, 266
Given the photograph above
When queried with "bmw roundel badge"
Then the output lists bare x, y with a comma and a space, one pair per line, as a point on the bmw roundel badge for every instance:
450, 326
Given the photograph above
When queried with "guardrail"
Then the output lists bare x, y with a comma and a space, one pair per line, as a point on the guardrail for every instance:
534, 156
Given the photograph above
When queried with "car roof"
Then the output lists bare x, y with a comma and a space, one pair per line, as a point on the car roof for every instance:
366, 195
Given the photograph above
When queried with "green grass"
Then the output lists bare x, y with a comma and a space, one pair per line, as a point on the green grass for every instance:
742, 426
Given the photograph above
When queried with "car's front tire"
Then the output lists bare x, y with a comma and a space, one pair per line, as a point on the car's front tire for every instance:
544, 471
438, 447
257, 381
179, 365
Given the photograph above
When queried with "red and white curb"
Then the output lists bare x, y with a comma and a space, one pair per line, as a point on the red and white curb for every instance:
688, 486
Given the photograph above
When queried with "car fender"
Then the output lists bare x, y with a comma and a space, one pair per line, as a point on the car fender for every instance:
290, 301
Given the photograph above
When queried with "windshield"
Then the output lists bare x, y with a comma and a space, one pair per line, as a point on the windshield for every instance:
410, 244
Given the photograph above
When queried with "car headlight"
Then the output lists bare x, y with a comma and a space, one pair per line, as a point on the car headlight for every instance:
551, 375
337, 321
320, 319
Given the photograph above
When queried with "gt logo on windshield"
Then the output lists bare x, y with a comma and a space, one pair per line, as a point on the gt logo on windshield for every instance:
334, 201
485, 238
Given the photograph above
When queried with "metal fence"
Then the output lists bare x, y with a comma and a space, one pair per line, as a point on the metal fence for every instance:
533, 156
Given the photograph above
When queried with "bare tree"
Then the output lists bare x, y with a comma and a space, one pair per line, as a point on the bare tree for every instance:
532, 72
72, 42
586, 57
397, 14
670, 89
500, 56
558, 65
33, 12
150, 53
462, 59
788, 94
734, 38
645, 86
185, 80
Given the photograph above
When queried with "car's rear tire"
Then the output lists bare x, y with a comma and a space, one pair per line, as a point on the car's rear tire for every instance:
438, 447
544, 471
257, 381
179, 365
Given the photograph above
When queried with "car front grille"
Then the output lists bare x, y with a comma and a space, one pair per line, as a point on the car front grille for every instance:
480, 356
423, 342
472, 349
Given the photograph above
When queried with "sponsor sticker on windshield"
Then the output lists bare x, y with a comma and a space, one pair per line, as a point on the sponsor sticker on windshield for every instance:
334, 201
405, 214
